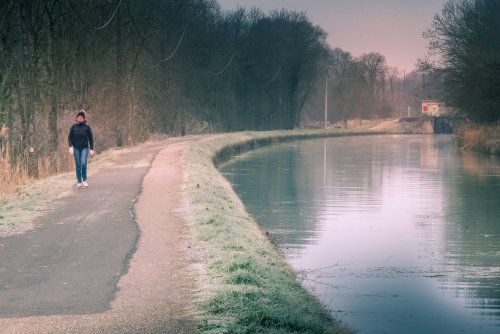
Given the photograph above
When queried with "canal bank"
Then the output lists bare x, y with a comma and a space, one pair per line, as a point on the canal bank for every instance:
240, 281
479, 138
246, 285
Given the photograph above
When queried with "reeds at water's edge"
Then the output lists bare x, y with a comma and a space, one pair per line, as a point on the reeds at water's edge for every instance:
479, 138
14, 171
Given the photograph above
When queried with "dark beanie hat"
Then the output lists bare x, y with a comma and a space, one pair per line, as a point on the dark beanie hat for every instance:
81, 113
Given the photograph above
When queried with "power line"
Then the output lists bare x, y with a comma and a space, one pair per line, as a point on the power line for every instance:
169, 57
272, 80
88, 25
143, 42
176, 48
225, 67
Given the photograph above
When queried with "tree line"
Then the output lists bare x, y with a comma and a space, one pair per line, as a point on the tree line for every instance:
173, 67
465, 37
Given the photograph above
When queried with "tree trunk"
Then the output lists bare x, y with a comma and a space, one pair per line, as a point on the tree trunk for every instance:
53, 89
119, 81
27, 86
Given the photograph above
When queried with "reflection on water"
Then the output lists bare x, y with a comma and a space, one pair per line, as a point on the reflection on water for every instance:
394, 234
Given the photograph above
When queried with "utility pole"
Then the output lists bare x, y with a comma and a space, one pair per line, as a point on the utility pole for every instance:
326, 101
406, 94
402, 108
119, 80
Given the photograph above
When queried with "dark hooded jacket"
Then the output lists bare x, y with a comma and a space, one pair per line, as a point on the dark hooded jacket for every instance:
80, 136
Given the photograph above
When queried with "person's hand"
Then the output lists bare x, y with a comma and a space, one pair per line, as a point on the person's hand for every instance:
71, 150
91, 152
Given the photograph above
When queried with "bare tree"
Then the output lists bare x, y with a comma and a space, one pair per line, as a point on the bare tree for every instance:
372, 68
465, 35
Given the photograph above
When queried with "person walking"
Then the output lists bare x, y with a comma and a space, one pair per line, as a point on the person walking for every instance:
81, 144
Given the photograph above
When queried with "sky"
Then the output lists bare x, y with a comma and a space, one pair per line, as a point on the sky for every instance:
391, 27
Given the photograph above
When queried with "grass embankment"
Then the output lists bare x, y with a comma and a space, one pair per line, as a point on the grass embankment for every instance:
248, 286
479, 138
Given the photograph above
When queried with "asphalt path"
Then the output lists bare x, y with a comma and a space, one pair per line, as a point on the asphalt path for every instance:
71, 263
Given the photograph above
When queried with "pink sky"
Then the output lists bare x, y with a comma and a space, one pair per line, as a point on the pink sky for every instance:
391, 27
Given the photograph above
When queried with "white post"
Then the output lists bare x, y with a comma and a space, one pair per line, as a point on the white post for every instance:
326, 101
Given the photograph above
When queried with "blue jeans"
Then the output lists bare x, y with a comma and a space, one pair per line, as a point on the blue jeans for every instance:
81, 156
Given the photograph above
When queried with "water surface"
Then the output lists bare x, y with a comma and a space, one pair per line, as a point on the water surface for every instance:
393, 234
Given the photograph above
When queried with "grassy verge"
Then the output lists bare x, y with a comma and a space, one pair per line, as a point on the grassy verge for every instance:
247, 285
479, 138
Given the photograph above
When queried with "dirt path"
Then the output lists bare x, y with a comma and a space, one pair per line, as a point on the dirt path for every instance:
90, 268
384, 124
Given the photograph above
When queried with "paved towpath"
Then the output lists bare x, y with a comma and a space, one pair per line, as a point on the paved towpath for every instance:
384, 124
90, 267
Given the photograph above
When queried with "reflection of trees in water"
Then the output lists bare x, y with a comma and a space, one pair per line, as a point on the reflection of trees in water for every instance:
472, 232
268, 185
480, 165
290, 194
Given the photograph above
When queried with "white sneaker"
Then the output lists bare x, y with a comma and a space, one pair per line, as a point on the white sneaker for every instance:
78, 185
85, 184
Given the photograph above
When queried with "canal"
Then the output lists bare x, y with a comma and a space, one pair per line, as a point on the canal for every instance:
393, 234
